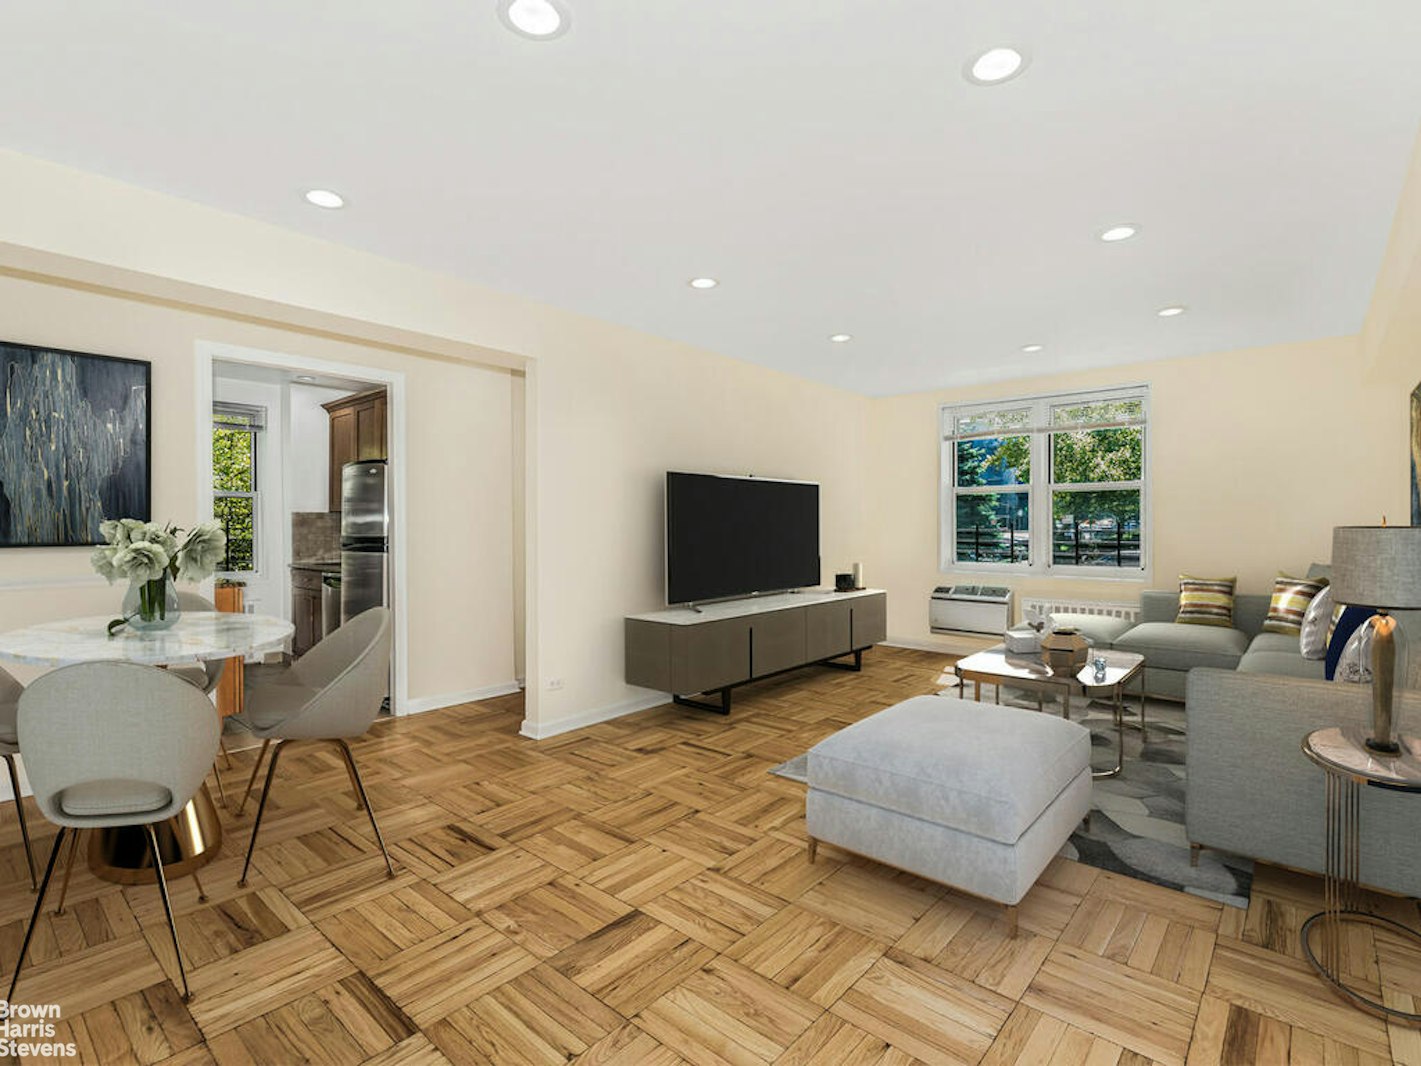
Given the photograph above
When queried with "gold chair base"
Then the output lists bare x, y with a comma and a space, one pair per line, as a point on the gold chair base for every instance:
189, 841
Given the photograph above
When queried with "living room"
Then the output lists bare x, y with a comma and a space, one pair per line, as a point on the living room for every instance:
540, 424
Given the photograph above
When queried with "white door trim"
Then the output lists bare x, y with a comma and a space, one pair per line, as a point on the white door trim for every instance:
206, 352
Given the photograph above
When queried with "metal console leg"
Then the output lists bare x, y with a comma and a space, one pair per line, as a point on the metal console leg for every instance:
701, 705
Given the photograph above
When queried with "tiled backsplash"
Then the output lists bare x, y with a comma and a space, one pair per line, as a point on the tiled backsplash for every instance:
315, 535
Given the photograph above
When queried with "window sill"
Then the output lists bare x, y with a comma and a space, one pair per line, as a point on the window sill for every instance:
1065, 573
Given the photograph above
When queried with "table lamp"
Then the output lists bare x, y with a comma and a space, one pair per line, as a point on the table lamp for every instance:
1379, 567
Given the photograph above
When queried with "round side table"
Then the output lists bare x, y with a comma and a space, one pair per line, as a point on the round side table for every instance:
1347, 765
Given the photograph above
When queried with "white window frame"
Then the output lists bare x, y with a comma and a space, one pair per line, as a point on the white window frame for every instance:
254, 433
1038, 563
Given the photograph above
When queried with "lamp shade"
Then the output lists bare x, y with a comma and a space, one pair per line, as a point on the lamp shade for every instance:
1377, 566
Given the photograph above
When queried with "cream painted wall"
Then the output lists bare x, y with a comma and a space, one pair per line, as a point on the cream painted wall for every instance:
1254, 456
517, 411
614, 420
460, 638
611, 409
1392, 335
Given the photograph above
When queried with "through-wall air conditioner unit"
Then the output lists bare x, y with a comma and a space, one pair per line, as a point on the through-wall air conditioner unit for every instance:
970, 609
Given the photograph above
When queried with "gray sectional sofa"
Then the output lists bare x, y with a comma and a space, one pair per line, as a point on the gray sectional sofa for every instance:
1250, 698
1172, 649
1251, 790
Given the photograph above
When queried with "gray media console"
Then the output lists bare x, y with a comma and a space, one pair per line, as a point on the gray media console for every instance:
683, 651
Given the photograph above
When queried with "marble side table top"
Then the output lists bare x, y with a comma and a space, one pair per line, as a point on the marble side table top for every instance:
1344, 751
193, 638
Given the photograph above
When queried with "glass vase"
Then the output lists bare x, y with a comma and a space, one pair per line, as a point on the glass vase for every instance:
151, 604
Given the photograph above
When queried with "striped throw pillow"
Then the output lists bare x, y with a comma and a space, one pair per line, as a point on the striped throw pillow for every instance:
1206, 601
1291, 596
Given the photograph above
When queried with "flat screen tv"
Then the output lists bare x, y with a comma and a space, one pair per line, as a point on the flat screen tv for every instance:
733, 536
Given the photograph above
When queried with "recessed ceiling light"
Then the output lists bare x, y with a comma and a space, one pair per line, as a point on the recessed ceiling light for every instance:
304, 377
1122, 232
1170, 312
841, 338
325, 198
1032, 347
995, 66
541, 20
703, 283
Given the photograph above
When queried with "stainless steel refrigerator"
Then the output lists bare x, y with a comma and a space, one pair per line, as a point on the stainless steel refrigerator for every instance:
364, 537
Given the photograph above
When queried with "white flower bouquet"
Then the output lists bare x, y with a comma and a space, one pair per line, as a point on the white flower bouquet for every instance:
152, 557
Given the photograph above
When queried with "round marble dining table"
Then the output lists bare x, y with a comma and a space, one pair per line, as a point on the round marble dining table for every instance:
194, 638
192, 838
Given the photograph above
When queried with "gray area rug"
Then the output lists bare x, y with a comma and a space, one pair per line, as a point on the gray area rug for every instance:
1137, 818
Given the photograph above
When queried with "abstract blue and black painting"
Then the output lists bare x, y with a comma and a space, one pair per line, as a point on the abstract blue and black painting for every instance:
74, 444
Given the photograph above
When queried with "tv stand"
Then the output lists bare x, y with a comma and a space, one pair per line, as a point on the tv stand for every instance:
725, 645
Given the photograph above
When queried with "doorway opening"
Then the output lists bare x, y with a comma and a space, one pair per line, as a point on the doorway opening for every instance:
303, 463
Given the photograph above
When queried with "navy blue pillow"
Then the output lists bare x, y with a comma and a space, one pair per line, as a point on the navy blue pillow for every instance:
1348, 623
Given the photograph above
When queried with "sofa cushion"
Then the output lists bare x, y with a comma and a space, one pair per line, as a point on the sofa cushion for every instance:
1206, 601
1277, 653
977, 767
1101, 630
1317, 626
1176, 646
113, 796
1343, 627
1289, 605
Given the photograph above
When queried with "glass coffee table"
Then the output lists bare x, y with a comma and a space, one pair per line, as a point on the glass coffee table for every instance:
998, 667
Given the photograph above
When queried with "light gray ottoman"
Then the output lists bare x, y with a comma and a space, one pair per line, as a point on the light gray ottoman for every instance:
975, 796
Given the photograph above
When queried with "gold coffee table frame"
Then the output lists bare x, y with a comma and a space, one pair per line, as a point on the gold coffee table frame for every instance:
998, 667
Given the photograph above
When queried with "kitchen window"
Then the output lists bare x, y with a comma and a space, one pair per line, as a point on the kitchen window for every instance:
1047, 484
235, 484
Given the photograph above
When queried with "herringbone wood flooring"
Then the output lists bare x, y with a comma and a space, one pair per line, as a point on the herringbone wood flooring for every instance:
637, 892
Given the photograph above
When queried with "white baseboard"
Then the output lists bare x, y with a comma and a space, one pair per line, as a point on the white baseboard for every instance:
593, 717
954, 645
450, 699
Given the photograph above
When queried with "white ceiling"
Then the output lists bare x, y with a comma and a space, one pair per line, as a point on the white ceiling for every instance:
824, 158
261, 374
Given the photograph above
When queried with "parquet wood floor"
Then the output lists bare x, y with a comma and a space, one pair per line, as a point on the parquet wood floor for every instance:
637, 893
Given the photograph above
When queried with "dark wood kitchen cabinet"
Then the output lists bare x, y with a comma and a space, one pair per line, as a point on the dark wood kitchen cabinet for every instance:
305, 610
357, 433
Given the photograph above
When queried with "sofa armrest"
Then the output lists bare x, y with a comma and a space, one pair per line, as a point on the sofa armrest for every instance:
1252, 791
1159, 605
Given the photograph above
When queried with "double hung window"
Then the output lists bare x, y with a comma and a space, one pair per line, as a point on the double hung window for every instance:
235, 489
1051, 483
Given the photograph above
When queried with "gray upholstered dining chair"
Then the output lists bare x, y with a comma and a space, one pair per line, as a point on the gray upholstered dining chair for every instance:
159, 738
331, 693
203, 676
10, 691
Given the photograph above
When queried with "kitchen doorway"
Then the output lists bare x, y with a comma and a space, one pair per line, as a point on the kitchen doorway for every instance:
304, 462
